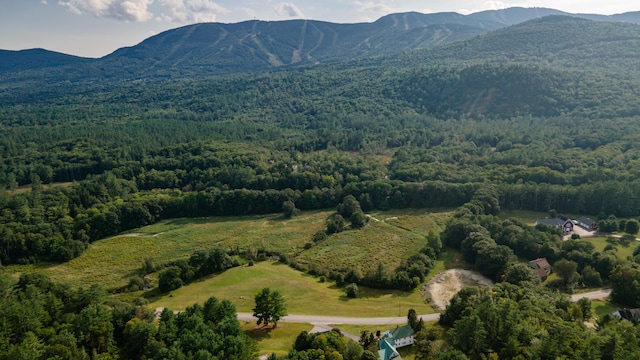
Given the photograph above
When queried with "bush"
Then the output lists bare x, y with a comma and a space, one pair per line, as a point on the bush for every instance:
289, 209
352, 290
335, 224
170, 279
136, 283
319, 236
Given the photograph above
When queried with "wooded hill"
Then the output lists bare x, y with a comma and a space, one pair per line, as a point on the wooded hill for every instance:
255, 46
547, 110
542, 115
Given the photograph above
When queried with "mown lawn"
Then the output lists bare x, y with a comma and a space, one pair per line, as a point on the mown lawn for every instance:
623, 249
279, 340
601, 308
303, 293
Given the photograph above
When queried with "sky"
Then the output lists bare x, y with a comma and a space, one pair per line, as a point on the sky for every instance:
95, 28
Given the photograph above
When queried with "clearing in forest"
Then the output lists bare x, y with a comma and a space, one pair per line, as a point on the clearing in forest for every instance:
446, 284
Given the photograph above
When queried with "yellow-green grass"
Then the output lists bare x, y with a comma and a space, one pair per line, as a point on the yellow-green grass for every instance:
524, 215
531, 216
623, 250
303, 293
601, 308
449, 258
377, 243
27, 188
420, 221
111, 262
277, 340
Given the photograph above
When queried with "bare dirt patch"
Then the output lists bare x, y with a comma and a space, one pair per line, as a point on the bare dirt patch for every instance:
446, 284
133, 234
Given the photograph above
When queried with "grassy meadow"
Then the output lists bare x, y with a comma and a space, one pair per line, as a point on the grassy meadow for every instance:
112, 262
303, 293
389, 239
278, 340
623, 249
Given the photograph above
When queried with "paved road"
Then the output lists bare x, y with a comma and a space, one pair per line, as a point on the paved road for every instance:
316, 319
336, 320
594, 295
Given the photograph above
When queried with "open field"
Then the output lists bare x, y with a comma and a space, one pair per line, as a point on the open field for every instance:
364, 249
303, 293
623, 250
278, 340
531, 216
112, 262
27, 188
389, 239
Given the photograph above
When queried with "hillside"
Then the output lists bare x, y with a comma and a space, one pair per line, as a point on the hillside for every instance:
564, 41
253, 46
14, 61
427, 128
543, 67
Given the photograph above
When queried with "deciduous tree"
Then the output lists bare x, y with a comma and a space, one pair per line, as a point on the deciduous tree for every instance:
270, 307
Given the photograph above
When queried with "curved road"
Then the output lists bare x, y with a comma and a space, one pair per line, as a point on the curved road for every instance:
334, 320
593, 295
315, 319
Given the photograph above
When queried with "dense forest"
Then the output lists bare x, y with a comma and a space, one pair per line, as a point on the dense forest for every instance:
524, 118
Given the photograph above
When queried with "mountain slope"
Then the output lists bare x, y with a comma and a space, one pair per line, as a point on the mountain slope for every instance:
35, 59
554, 40
212, 49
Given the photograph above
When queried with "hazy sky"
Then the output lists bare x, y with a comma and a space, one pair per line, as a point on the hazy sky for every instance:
95, 28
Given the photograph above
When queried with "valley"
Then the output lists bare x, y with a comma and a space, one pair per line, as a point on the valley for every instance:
337, 169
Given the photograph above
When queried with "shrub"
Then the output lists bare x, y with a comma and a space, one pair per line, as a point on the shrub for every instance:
170, 279
136, 283
352, 290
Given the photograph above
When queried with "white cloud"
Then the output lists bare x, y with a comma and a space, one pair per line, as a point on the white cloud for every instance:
43, 2
289, 9
378, 8
192, 11
495, 5
128, 10
251, 13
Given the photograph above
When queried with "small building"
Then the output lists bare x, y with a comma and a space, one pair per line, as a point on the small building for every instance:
629, 314
588, 224
542, 267
564, 224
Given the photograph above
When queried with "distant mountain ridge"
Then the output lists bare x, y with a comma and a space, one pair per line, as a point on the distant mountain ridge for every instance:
35, 58
252, 46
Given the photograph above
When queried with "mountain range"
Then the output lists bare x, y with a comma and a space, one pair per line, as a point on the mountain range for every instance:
254, 46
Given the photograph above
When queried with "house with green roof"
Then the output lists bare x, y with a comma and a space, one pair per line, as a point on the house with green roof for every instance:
394, 339
388, 350
402, 336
